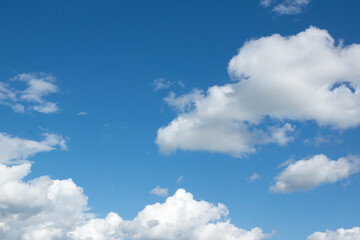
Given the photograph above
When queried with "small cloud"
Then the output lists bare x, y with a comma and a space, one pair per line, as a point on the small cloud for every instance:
286, 7
161, 83
347, 183
181, 84
309, 173
18, 108
162, 192
266, 3
286, 163
321, 139
82, 113
254, 177
180, 179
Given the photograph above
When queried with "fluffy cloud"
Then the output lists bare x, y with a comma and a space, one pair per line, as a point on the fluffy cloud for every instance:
313, 172
179, 218
32, 98
48, 209
286, 7
340, 234
38, 209
277, 79
18, 149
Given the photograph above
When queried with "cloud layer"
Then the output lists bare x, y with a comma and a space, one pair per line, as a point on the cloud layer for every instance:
32, 98
277, 79
310, 173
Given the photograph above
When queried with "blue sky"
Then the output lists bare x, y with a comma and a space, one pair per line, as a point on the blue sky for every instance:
251, 104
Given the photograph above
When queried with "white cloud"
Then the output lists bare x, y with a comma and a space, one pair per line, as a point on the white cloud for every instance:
179, 218
15, 149
254, 177
286, 7
321, 139
180, 179
82, 113
43, 208
181, 84
161, 83
163, 192
266, 3
32, 98
315, 171
340, 234
51, 209
289, 7
298, 78
40, 208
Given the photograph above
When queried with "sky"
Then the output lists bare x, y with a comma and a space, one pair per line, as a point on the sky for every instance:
180, 120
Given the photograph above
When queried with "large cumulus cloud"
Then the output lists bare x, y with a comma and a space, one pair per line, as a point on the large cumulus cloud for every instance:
179, 218
295, 78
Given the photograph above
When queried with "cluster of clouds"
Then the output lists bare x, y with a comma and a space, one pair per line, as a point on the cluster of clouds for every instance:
285, 7
48, 209
33, 96
278, 82
52, 209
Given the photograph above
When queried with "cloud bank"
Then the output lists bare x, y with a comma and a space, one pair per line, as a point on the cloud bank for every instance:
32, 98
318, 170
277, 79
51, 209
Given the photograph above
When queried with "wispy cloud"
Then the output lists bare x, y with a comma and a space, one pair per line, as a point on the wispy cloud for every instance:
254, 177
161, 83
19, 149
82, 113
180, 179
286, 7
162, 192
33, 96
